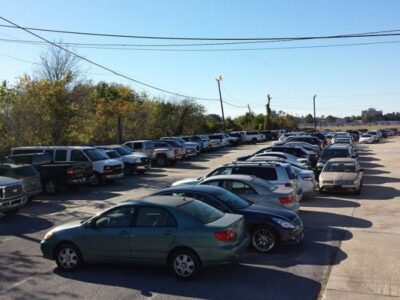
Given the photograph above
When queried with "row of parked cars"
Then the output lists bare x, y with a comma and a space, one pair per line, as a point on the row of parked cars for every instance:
210, 220
28, 171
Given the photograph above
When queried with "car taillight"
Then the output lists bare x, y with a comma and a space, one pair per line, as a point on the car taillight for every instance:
288, 184
70, 171
307, 178
286, 200
226, 235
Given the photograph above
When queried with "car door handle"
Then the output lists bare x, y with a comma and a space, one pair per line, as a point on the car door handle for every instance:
168, 232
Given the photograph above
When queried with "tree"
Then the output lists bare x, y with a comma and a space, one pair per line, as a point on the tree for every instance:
309, 119
58, 65
330, 119
267, 121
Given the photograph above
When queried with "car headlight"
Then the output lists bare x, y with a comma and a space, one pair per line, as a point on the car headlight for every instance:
48, 236
355, 181
284, 223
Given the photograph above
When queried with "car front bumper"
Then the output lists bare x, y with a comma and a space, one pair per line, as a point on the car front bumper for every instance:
12, 203
339, 187
292, 237
47, 247
112, 176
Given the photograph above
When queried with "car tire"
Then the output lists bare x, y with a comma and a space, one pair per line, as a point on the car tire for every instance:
184, 264
68, 257
264, 238
254, 141
161, 161
95, 180
50, 187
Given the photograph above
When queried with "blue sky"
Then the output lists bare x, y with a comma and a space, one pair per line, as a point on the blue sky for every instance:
345, 79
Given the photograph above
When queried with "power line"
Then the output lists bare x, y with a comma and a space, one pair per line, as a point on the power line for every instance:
103, 67
125, 47
354, 35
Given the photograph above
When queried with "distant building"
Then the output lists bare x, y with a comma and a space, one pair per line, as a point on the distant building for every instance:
371, 115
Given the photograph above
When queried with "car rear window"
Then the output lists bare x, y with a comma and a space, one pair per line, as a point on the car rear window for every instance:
266, 173
201, 211
26, 171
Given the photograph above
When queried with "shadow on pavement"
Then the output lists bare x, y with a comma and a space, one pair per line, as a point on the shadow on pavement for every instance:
325, 201
227, 282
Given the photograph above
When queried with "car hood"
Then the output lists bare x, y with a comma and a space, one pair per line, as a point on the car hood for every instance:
338, 176
132, 157
136, 155
187, 181
66, 226
9, 180
272, 211
112, 162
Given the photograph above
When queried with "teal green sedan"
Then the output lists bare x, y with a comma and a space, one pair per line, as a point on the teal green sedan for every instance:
182, 233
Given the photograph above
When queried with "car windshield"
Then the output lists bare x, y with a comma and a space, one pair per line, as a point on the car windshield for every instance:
343, 141
122, 151
334, 153
113, 154
95, 154
340, 167
201, 211
231, 200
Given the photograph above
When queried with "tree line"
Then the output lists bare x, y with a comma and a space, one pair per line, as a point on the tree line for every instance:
58, 106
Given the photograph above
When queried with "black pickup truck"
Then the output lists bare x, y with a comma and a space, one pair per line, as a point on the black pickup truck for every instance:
55, 175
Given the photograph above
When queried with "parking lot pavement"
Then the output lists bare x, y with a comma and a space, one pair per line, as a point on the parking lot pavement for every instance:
372, 268
349, 249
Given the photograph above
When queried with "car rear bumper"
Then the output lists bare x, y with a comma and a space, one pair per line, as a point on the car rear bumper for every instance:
226, 254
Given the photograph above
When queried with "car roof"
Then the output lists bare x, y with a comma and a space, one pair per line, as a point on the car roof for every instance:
164, 200
193, 188
232, 177
272, 163
53, 147
339, 146
342, 159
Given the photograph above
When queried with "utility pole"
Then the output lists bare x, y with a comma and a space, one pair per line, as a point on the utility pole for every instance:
218, 79
119, 130
315, 120
248, 106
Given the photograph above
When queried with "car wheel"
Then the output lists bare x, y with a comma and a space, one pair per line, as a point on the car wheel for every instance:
161, 161
95, 180
185, 264
68, 257
254, 141
264, 239
50, 187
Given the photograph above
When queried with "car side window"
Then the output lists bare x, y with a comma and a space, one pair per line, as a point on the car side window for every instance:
77, 155
154, 217
61, 155
213, 183
137, 146
117, 218
238, 187
50, 152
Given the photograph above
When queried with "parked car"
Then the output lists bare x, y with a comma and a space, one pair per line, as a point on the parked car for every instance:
342, 151
202, 142
268, 226
254, 137
104, 168
366, 139
286, 156
53, 175
341, 174
12, 195
310, 158
307, 139
223, 140
133, 162
182, 149
160, 152
192, 148
239, 136
153, 230
256, 190
27, 173
343, 140
375, 135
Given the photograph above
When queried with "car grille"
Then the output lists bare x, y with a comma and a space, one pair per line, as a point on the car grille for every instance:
11, 191
344, 182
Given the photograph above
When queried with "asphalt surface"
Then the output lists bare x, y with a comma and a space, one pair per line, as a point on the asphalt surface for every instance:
299, 271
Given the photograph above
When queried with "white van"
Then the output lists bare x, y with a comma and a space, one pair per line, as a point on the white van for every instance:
104, 168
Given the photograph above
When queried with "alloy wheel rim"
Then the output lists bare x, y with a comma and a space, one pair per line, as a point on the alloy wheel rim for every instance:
263, 240
184, 265
50, 187
68, 258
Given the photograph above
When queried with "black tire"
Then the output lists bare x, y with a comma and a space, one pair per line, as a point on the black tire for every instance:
264, 238
68, 257
95, 180
184, 264
162, 160
50, 187
254, 141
